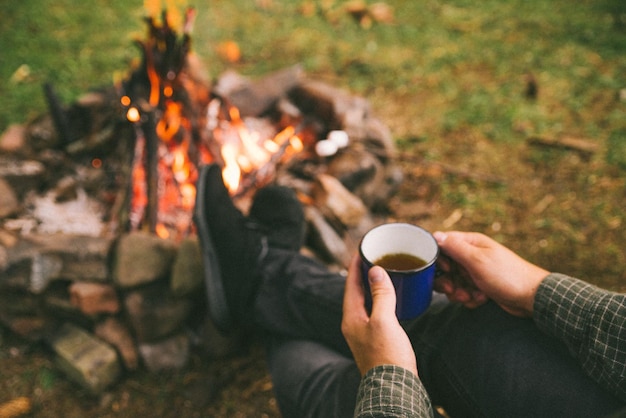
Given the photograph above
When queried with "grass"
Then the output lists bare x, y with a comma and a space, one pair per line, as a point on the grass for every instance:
74, 45
471, 57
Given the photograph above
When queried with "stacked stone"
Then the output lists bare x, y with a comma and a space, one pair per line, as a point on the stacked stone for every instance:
104, 306
107, 305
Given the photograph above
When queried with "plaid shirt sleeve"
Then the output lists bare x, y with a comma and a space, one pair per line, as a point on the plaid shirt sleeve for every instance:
591, 322
391, 391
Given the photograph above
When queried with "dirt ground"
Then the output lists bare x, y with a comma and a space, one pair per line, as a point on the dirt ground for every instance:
238, 386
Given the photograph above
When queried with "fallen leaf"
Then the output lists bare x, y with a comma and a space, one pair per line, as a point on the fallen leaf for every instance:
229, 51
15, 408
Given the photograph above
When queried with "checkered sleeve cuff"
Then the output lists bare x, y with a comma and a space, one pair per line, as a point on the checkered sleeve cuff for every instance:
392, 391
591, 322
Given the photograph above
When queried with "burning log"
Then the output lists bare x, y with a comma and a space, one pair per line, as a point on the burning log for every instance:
152, 169
158, 101
264, 174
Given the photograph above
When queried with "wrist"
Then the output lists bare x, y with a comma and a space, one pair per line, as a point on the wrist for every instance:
519, 300
535, 277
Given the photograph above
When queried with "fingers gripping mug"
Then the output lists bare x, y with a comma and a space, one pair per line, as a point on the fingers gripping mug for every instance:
408, 254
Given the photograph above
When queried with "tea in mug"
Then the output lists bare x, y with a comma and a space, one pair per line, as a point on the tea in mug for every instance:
400, 261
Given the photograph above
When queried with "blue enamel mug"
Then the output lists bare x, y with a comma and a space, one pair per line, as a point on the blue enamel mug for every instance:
413, 282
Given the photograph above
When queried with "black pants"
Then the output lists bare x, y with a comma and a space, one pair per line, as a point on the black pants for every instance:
481, 362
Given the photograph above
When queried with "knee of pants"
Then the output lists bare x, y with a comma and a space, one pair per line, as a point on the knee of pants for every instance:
311, 380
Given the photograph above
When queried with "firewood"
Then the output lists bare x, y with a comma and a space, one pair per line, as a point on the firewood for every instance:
152, 169
584, 147
253, 98
455, 171
15, 408
59, 116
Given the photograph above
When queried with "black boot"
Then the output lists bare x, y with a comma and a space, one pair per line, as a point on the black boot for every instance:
231, 248
279, 214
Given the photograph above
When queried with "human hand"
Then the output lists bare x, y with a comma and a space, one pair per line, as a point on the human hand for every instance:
477, 268
378, 338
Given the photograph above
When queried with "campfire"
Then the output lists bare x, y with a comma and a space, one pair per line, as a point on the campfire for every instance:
99, 258
180, 123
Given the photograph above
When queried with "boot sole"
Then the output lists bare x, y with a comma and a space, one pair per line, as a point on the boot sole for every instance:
216, 296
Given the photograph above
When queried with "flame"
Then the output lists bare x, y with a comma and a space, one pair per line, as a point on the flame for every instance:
153, 7
180, 165
161, 231
133, 114
155, 86
231, 173
188, 193
170, 122
244, 151
178, 172
296, 144
174, 17
139, 192
284, 135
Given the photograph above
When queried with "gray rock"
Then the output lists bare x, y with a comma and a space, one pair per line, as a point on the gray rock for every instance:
9, 204
39, 259
187, 274
154, 313
117, 334
85, 359
169, 354
142, 258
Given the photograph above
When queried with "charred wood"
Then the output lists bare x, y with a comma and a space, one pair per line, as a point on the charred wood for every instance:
58, 114
152, 169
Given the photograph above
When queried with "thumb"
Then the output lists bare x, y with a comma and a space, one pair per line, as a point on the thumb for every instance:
458, 245
383, 292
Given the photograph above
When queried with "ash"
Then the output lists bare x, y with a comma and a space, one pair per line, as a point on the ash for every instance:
81, 216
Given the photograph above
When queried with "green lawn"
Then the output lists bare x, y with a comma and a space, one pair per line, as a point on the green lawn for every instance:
470, 56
